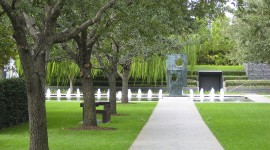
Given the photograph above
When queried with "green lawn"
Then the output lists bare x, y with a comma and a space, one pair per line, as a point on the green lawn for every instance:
238, 126
63, 115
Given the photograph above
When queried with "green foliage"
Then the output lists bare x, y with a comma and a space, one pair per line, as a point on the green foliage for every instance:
65, 115
217, 67
150, 70
192, 83
63, 71
250, 31
235, 78
7, 44
154, 69
13, 103
234, 73
239, 126
247, 83
214, 45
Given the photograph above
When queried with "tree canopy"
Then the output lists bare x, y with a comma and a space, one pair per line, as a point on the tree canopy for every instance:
251, 33
7, 44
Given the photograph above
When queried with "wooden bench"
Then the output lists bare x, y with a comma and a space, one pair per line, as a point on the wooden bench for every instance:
106, 112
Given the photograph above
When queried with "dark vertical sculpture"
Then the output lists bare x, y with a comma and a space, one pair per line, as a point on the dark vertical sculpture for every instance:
176, 66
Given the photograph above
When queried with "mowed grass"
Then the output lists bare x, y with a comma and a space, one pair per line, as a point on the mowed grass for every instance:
238, 126
64, 115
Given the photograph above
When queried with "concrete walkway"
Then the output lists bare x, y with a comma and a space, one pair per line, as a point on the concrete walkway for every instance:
175, 125
258, 98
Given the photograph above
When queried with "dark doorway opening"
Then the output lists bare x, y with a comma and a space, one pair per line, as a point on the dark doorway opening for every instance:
210, 79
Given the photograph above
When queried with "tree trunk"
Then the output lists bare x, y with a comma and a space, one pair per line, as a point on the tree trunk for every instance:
89, 114
125, 77
1, 72
37, 114
112, 98
71, 85
35, 75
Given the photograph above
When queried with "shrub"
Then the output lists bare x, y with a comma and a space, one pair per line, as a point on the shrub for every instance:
225, 73
192, 77
192, 83
235, 78
215, 67
248, 82
13, 103
234, 73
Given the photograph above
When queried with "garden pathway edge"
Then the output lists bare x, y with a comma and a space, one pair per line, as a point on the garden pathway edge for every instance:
175, 124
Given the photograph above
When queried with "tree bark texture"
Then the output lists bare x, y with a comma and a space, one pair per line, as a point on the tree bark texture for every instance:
35, 74
85, 52
89, 118
112, 86
125, 77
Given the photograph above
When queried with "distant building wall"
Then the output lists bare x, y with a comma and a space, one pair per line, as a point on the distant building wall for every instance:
258, 71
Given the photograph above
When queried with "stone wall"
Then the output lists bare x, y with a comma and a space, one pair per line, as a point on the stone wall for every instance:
258, 71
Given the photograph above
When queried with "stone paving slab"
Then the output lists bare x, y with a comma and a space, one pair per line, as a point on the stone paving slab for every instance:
175, 125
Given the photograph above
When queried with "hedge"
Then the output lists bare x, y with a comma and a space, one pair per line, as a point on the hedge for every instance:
234, 73
235, 77
216, 67
228, 73
247, 83
13, 103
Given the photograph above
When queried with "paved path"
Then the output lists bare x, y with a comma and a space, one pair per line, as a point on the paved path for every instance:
175, 125
258, 98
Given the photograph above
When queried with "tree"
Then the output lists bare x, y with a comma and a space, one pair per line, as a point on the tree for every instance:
108, 58
64, 71
214, 46
250, 31
7, 44
146, 30
35, 29
138, 28
83, 45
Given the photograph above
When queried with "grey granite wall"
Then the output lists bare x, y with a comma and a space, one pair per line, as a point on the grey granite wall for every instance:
258, 71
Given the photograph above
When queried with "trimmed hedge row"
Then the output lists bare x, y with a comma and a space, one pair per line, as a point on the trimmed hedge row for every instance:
235, 78
194, 77
215, 67
192, 83
247, 82
228, 73
13, 103
234, 73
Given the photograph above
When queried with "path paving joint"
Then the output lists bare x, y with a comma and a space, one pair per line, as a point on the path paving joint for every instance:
175, 125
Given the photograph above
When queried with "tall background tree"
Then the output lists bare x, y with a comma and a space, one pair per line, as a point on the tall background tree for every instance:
7, 44
250, 30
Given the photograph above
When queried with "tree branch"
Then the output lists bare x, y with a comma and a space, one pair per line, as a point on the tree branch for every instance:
13, 5
69, 51
99, 59
30, 24
78, 40
56, 10
94, 37
65, 36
